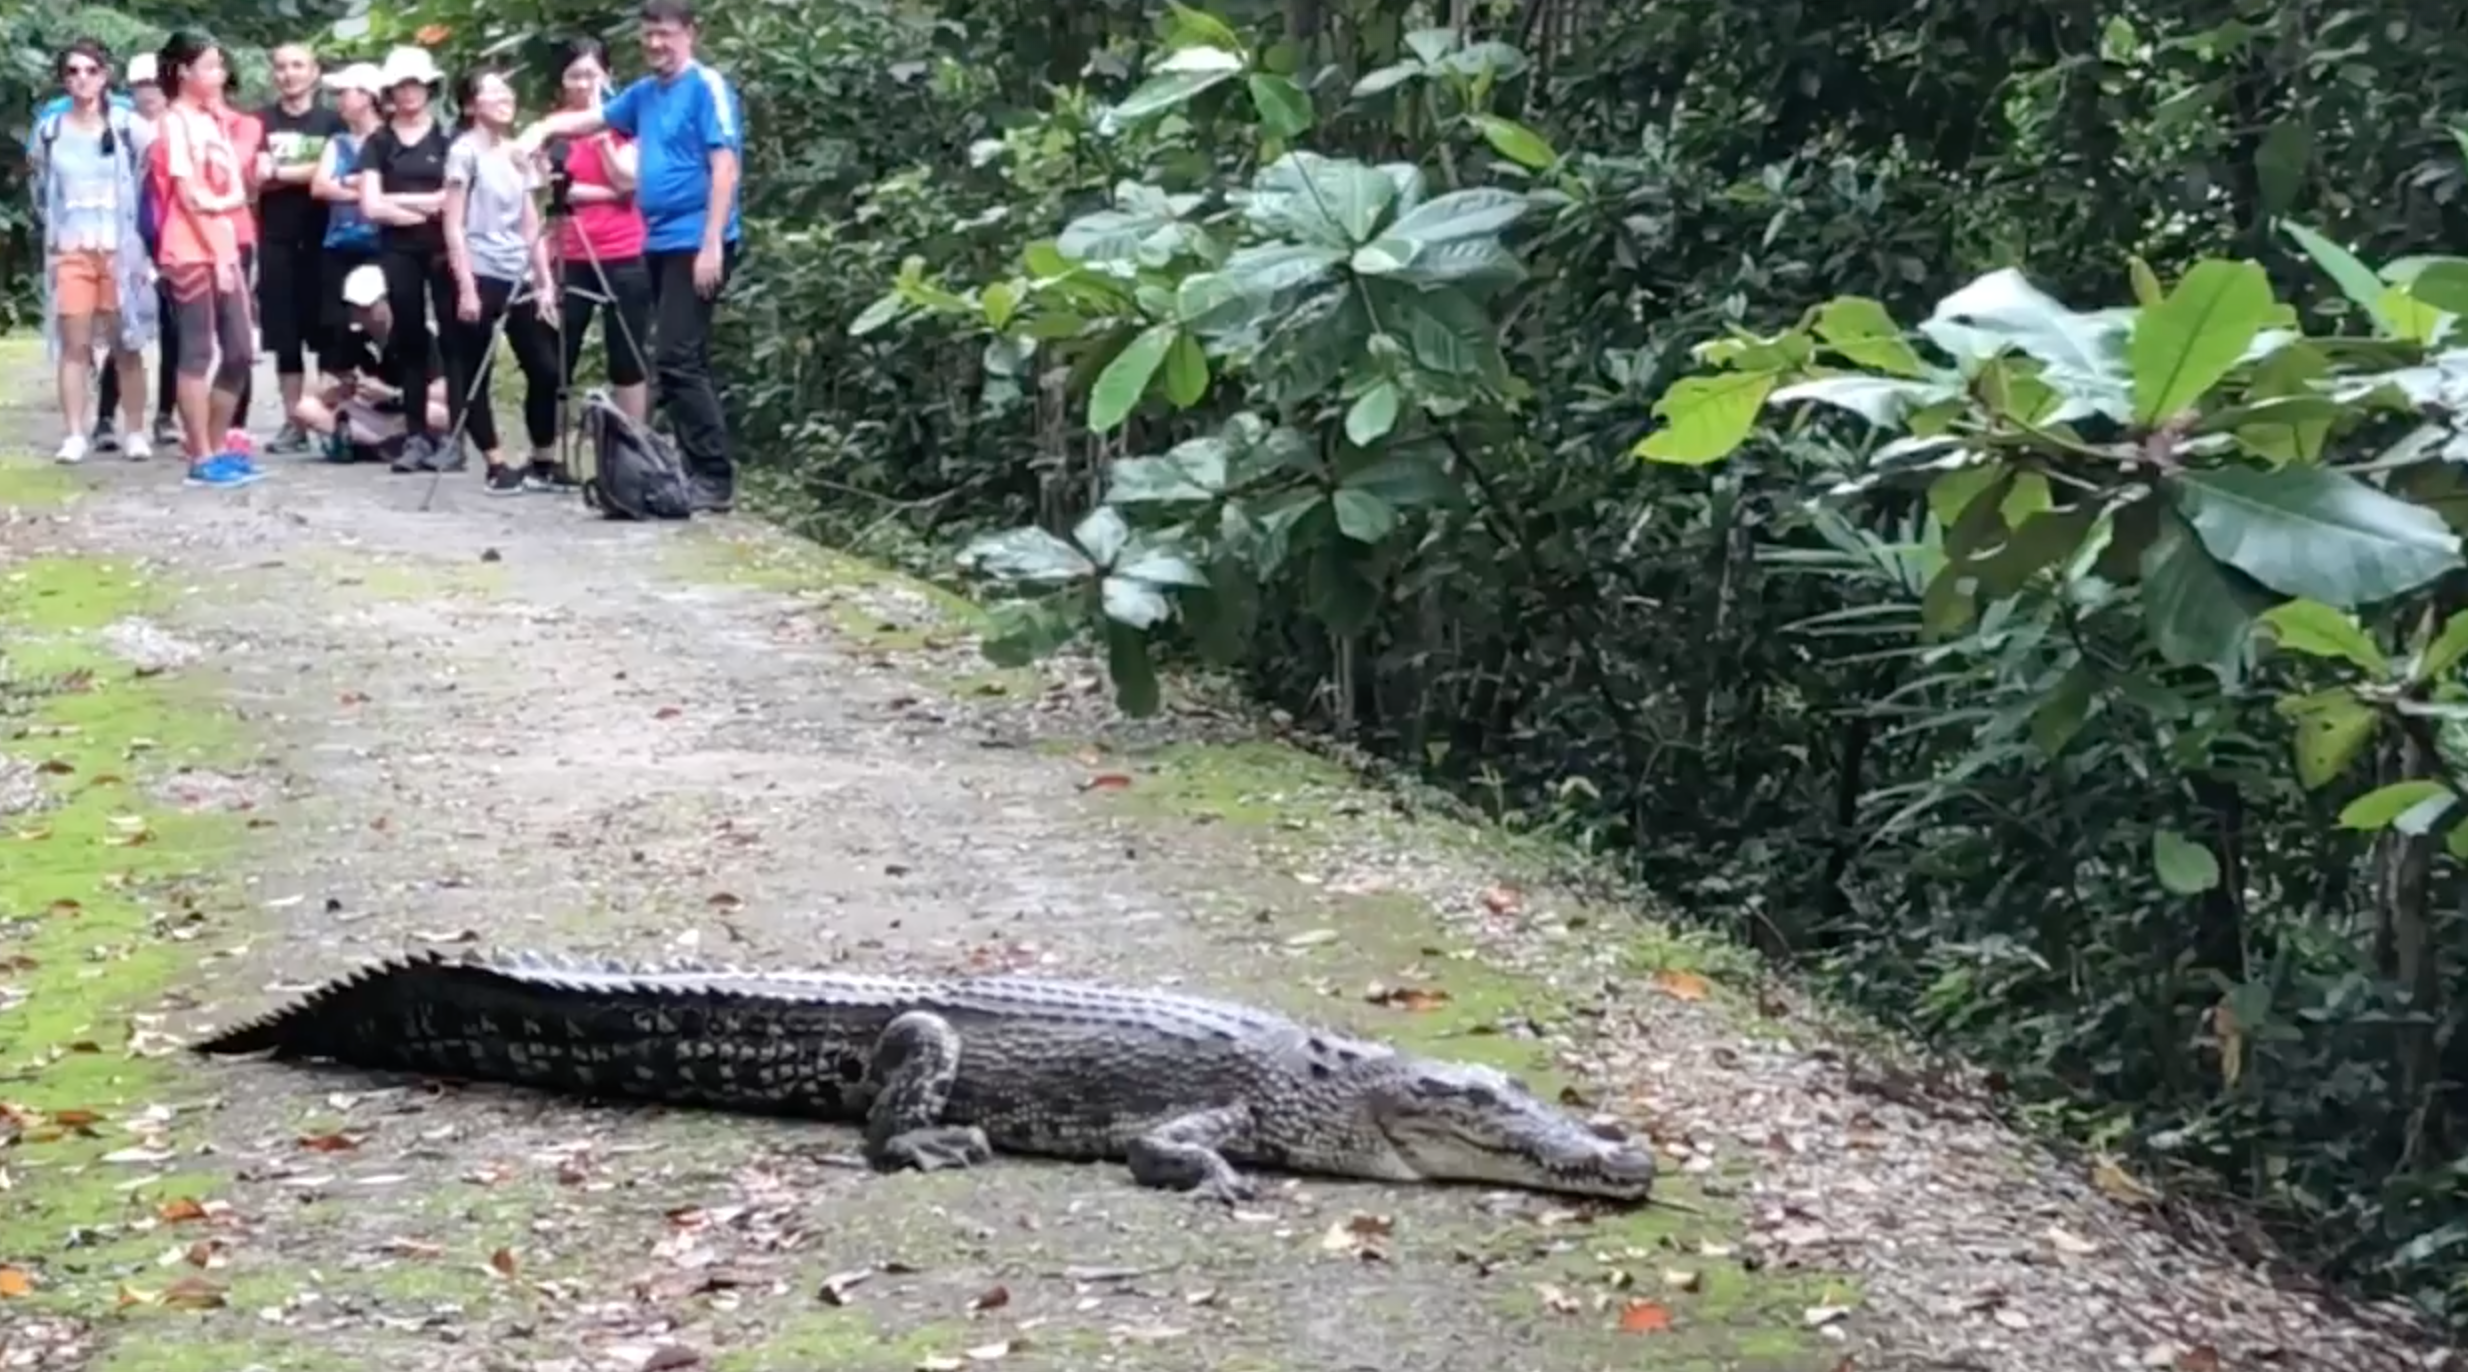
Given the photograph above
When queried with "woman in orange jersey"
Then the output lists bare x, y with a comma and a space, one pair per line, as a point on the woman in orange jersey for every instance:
207, 194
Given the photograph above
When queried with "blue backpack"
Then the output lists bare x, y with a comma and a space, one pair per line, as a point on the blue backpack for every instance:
117, 127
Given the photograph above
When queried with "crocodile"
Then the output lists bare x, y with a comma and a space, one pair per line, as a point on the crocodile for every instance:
944, 1071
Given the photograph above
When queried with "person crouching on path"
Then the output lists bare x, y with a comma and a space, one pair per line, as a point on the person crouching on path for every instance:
87, 175
494, 244
350, 240
206, 197
403, 192
600, 244
690, 129
291, 227
359, 415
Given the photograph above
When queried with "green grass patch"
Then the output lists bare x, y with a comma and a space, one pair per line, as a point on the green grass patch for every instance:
96, 881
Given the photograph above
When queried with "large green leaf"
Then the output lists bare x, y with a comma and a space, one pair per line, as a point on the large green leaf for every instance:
2378, 808
2323, 535
2442, 283
1285, 108
2313, 628
1362, 516
1026, 554
1372, 414
2183, 866
1194, 469
1707, 417
1334, 203
1860, 329
2082, 355
2197, 612
2332, 727
1516, 142
1444, 330
2184, 345
1182, 75
2355, 280
1125, 379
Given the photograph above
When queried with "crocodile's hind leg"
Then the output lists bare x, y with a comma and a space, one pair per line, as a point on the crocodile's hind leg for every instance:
1182, 1154
916, 1061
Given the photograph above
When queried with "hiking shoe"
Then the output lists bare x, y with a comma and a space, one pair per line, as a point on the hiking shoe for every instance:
415, 454
290, 440
135, 448
72, 450
544, 476
711, 497
224, 471
167, 431
106, 439
503, 480
447, 455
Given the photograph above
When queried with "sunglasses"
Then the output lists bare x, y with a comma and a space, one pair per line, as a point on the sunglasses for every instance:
84, 69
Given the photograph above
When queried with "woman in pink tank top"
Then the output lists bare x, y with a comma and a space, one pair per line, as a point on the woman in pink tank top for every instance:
599, 240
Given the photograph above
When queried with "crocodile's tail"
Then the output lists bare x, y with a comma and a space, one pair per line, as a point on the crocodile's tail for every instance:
678, 1035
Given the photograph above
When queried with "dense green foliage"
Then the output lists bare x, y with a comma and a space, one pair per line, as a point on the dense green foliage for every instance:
2079, 685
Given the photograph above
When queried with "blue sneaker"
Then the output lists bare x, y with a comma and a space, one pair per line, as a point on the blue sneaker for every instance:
225, 471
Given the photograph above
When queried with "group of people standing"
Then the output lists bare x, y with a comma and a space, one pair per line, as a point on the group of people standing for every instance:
346, 225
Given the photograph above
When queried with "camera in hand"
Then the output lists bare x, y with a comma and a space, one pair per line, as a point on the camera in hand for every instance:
560, 179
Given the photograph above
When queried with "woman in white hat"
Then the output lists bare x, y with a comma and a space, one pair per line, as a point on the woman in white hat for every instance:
351, 239
402, 175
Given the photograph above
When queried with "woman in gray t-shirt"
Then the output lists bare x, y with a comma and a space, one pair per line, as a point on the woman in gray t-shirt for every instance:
501, 272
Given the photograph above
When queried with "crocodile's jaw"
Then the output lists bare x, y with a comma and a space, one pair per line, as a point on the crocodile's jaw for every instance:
1461, 1122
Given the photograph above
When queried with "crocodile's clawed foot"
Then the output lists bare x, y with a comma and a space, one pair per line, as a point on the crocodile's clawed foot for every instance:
934, 1149
1226, 1187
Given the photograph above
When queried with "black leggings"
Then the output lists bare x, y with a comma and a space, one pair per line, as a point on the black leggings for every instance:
166, 349
470, 361
626, 302
289, 302
418, 282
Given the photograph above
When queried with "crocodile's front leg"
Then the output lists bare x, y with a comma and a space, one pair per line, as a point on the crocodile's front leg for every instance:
1182, 1154
916, 1062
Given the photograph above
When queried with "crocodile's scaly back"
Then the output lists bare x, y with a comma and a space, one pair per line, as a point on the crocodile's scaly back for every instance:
1167, 1081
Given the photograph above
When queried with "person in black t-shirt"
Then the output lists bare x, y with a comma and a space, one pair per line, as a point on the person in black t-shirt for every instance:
291, 228
403, 192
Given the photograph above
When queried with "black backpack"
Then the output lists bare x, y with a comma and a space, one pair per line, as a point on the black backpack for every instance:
638, 475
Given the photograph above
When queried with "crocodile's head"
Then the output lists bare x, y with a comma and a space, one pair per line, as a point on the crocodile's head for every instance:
1455, 1121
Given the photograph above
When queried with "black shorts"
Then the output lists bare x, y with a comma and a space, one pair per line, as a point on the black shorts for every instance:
288, 302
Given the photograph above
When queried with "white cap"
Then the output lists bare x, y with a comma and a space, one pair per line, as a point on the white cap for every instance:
142, 70
359, 76
365, 286
410, 64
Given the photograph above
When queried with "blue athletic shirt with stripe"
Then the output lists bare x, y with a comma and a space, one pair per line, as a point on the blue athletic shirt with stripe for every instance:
675, 123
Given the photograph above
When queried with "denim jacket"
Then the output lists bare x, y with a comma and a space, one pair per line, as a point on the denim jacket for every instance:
133, 267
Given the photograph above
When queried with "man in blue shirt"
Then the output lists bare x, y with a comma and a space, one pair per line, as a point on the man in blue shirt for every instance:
688, 127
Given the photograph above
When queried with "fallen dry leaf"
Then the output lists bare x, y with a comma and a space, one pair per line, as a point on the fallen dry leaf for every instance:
502, 1261
1106, 781
1644, 1317
2069, 1243
940, 1362
989, 1352
2200, 1358
1679, 1280
75, 1119
1503, 900
192, 1293
992, 1298
14, 1282
179, 1210
1558, 1301
1680, 985
1360, 1235
328, 1143
1413, 998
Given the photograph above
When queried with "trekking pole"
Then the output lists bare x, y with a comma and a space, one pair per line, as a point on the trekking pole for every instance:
480, 377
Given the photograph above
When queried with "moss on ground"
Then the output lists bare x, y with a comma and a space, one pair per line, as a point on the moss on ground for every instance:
98, 885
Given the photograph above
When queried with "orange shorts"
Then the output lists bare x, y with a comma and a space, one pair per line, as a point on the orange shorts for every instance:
85, 283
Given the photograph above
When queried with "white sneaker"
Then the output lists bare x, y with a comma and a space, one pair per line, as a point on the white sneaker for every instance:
72, 449
134, 447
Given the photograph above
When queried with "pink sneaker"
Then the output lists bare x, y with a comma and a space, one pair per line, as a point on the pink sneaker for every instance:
238, 441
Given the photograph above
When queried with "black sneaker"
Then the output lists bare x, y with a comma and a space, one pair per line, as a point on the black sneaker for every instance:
446, 455
544, 476
710, 497
414, 455
106, 438
504, 480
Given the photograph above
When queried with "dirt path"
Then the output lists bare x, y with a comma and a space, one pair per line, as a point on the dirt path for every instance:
260, 736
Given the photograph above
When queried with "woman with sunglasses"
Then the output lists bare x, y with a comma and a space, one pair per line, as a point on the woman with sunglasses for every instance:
86, 170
